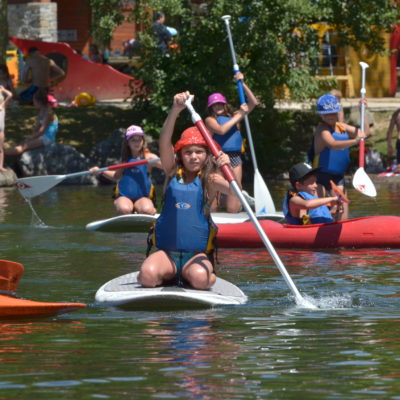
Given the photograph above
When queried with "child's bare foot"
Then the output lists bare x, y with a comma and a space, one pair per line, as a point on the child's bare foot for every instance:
3, 169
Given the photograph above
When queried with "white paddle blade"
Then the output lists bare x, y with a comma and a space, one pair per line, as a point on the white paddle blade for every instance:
35, 185
263, 200
362, 182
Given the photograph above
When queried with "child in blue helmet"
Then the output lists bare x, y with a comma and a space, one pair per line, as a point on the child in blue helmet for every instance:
330, 147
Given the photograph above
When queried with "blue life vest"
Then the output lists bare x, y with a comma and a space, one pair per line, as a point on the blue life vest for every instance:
232, 140
135, 182
182, 224
317, 215
335, 162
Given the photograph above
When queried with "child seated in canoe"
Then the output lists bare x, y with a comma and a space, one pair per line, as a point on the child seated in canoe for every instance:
184, 233
134, 190
301, 205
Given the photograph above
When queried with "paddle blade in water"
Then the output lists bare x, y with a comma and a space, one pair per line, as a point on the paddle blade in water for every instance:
35, 185
362, 182
263, 200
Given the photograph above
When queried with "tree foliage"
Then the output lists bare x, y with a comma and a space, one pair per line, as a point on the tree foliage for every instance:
3, 30
276, 47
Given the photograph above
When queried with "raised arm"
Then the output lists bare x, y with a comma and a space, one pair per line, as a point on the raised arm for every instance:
213, 125
252, 100
167, 154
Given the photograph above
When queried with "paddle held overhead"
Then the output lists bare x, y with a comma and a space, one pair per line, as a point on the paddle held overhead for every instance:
229, 176
361, 181
263, 200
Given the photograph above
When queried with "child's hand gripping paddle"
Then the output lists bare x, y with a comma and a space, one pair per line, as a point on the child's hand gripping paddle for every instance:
339, 192
230, 177
263, 200
35, 185
361, 181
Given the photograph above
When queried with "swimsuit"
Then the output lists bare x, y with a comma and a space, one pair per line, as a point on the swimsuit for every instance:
183, 230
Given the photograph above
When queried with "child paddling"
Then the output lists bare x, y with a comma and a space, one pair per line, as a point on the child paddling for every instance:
133, 192
223, 123
330, 147
301, 205
183, 233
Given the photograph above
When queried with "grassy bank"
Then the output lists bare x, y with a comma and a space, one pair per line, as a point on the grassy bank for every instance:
82, 127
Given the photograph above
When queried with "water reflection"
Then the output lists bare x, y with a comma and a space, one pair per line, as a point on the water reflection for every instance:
3, 204
192, 347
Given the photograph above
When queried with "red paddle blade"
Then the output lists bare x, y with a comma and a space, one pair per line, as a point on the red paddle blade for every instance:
10, 275
339, 192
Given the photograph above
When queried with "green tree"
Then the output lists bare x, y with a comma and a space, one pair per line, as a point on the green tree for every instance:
106, 16
3, 30
276, 46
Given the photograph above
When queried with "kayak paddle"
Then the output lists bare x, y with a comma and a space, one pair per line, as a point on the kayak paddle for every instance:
361, 181
35, 185
263, 200
339, 192
230, 177
10, 275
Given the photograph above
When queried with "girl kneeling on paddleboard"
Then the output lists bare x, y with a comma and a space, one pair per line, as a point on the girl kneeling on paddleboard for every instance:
223, 124
301, 205
183, 234
134, 190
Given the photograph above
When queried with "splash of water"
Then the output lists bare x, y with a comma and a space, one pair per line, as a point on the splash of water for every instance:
35, 220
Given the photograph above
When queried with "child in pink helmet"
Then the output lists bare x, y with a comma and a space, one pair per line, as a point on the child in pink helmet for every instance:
223, 123
134, 190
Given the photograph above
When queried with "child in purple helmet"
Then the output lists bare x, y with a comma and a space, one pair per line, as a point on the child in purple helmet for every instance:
330, 147
223, 123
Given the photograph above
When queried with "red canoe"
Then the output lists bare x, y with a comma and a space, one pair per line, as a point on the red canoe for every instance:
366, 232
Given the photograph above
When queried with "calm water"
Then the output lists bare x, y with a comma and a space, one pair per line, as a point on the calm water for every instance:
265, 349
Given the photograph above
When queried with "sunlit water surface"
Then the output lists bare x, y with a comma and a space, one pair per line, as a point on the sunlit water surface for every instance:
268, 348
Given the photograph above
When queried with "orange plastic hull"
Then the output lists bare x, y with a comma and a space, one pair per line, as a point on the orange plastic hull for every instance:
14, 308
366, 232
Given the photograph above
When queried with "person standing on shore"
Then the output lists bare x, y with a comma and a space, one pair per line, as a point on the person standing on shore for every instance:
41, 72
394, 123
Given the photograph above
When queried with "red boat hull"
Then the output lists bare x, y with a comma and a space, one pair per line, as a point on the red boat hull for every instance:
366, 232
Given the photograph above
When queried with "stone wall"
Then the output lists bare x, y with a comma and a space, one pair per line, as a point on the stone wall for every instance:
34, 21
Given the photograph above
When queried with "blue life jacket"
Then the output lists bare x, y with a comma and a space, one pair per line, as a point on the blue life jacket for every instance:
317, 215
135, 182
335, 162
182, 224
232, 140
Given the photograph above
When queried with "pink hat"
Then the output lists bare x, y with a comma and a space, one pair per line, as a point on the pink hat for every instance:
133, 130
216, 98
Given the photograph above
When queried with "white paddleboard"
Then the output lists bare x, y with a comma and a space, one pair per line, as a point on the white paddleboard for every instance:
142, 222
125, 292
